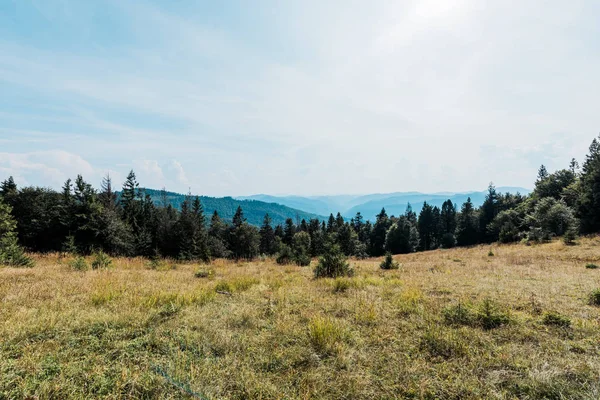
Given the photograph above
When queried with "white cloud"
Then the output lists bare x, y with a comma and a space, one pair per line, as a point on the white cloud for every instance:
321, 97
45, 168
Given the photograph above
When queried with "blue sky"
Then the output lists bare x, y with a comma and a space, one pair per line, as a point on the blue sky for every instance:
297, 97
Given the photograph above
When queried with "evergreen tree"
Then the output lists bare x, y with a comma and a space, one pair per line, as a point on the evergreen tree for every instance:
588, 204
489, 210
267, 237
427, 227
217, 237
382, 223
448, 217
466, 230
347, 239
238, 218
331, 224
8, 191
11, 254
244, 239
402, 237
289, 231
339, 222
107, 196
303, 226
542, 173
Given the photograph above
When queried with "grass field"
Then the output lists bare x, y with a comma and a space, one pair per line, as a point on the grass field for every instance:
449, 324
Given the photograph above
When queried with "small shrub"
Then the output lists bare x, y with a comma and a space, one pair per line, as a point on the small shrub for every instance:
448, 241
556, 319
595, 298
302, 259
285, 255
69, 245
205, 273
79, 264
491, 253
570, 236
490, 316
389, 263
101, 260
459, 315
341, 285
244, 283
13, 255
333, 264
223, 287
326, 334
436, 344
487, 316
591, 266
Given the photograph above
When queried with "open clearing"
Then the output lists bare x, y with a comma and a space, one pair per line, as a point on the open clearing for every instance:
425, 330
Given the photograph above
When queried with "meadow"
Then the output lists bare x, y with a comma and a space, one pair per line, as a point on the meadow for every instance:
499, 322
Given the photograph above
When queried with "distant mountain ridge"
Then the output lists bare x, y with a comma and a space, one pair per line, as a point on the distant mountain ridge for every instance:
371, 204
254, 210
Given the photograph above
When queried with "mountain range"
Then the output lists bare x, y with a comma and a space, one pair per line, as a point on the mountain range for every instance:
306, 207
371, 204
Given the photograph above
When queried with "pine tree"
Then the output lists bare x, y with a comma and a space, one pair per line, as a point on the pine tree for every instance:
331, 224
289, 231
402, 237
427, 226
382, 223
588, 204
267, 237
542, 173
107, 196
128, 195
448, 217
489, 210
11, 254
466, 230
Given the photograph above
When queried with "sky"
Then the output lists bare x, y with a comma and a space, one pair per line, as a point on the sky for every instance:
304, 97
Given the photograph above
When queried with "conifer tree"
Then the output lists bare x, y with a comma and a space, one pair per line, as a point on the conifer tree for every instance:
588, 204
489, 209
289, 231
267, 237
382, 223
466, 230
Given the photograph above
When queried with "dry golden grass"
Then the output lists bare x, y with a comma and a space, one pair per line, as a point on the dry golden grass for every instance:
260, 330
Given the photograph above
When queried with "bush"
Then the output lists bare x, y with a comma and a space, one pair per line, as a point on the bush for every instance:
491, 253
555, 319
69, 245
326, 334
333, 264
490, 316
340, 285
11, 254
101, 260
595, 298
591, 266
448, 240
388, 262
79, 264
459, 315
205, 273
443, 346
285, 255
302, 260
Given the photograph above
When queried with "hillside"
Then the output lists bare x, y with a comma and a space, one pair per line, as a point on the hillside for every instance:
449, 324
371, 204
254, 210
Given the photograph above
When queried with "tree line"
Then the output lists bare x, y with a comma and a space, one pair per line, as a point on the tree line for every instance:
81, 219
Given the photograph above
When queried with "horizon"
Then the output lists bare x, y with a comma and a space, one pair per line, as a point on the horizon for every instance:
296, 99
